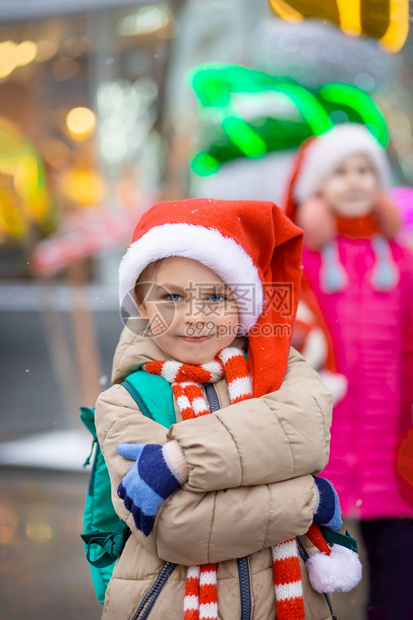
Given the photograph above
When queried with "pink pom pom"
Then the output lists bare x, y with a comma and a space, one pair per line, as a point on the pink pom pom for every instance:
317, 221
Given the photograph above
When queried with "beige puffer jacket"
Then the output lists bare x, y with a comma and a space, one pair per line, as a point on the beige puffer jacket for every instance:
231, 506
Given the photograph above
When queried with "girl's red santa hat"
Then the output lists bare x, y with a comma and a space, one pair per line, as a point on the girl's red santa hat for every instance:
327, 151
252, 246
317, 158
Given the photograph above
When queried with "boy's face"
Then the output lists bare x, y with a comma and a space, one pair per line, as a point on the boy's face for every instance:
352, 188
191, 311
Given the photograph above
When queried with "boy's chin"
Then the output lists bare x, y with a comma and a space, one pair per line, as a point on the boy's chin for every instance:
198, 354
196, 359
194, 353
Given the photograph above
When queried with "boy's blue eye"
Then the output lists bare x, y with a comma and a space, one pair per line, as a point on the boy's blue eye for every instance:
216, 297
173, 297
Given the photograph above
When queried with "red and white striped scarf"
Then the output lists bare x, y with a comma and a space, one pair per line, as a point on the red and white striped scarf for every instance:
200, 601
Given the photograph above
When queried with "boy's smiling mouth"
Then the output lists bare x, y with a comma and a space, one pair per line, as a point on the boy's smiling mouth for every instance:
196, 338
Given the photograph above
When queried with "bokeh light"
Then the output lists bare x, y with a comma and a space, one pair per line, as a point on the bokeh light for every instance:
26, 53
83, 186
46, 49
39, 531
13, 55
81, 123
8, 525
147, 20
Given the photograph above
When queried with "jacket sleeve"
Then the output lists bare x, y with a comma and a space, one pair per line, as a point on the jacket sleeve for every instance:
282, 435
196, 528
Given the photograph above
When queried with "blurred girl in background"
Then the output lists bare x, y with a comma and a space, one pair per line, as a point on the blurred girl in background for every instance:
363, 282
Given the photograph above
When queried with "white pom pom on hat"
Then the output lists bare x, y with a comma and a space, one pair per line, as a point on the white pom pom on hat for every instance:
338, 572
334, 567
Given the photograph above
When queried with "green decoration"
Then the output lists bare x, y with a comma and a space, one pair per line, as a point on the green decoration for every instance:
227, 135
359, 101
244, 137
205, 164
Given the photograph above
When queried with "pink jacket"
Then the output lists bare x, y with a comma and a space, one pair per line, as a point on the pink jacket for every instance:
373, 340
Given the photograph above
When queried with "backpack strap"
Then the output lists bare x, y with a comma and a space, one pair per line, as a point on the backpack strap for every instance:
153, 395
111, 542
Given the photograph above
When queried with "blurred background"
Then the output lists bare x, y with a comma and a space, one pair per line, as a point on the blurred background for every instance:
106, 107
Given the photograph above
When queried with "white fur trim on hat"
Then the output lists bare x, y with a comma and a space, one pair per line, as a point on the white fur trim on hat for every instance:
327, 152
208, 246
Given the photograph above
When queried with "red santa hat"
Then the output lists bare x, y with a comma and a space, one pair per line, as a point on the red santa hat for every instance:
327, 152
252, 246
316, 159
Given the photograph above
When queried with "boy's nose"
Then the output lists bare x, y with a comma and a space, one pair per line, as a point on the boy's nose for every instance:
195, 313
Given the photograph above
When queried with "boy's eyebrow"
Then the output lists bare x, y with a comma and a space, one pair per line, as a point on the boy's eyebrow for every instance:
200, 287
176, 287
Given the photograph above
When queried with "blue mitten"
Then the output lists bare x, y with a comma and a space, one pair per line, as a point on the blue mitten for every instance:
328, 510
149, 481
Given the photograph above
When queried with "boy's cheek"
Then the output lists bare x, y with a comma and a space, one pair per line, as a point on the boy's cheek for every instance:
161, 318
229, 330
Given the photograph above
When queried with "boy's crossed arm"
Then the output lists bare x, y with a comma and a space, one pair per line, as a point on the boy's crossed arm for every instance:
259, 441
143, 508
199, 528
277, 437
192, 527
159, 471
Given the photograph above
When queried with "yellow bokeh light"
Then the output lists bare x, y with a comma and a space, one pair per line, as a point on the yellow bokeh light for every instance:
26, 53
355, 17
80, 122
84, 187
396, 34
46, 49
285, 11
13, 55
39, 531
8, 58
23, 191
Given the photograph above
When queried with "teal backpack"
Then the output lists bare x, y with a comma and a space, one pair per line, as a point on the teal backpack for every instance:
105, 534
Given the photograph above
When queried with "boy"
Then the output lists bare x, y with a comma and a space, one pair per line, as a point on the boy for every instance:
214, 280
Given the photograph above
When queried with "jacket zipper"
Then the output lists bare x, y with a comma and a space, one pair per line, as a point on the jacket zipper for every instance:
167, 569
244, 588
304, 555
243, 565
212, 397
154, 591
